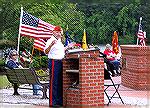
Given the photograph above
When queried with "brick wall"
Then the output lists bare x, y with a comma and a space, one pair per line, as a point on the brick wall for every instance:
90, 91
136, 67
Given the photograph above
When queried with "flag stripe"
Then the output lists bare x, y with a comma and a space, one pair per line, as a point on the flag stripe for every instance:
39, 44
35, 32
39, 47
34, 36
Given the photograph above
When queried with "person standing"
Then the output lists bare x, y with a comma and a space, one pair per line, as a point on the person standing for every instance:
55, 50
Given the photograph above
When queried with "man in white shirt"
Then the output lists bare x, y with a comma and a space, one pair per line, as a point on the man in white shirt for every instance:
55, 50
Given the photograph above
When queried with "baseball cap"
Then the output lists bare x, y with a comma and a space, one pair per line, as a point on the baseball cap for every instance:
57, 28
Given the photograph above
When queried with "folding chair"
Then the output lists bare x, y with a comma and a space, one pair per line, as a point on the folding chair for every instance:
108, 82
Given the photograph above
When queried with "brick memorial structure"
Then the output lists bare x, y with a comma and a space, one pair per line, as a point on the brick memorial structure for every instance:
83, 79
135, 71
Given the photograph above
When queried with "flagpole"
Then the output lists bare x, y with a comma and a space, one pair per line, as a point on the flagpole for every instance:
32, 51
139, 29
19, 29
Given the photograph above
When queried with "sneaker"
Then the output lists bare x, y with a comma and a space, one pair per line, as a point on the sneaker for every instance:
36, 94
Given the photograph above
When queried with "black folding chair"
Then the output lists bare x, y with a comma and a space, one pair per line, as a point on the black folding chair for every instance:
110, 83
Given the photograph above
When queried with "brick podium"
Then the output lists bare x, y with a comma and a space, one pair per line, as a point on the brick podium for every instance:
87, 69
136, 67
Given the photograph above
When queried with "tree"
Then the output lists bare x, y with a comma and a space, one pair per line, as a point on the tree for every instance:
60, 13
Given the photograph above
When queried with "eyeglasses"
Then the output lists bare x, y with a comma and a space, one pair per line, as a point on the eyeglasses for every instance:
15, 55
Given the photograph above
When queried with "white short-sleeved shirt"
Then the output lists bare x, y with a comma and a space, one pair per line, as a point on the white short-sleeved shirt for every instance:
57, 50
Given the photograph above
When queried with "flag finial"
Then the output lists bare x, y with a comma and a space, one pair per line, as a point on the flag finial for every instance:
67, 27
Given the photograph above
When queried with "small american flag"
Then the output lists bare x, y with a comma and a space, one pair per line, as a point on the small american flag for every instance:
141, 35
39, 44
34, 27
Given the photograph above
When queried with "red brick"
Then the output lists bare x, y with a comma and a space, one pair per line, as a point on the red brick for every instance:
135, 72
91, 79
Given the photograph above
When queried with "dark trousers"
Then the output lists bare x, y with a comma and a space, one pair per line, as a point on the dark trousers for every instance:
56, 90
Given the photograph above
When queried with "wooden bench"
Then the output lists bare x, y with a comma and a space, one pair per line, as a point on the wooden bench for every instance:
27, 76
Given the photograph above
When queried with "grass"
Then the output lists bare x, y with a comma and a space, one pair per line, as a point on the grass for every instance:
2, 62
4, 82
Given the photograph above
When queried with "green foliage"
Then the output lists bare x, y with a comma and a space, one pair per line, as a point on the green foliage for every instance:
4, 83
127, 39
2, 62
44, 61
126, 22
99, 18
39, 62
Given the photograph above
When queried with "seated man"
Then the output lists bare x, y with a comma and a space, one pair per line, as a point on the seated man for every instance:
11, 63
110, 55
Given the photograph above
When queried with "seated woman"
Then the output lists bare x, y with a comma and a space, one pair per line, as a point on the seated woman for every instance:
111, 56
11, 63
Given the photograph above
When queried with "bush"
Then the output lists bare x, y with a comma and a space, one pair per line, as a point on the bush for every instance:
39, 62
126, 39
2, 62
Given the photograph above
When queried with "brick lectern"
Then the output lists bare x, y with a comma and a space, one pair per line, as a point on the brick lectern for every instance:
136, 67
86, 69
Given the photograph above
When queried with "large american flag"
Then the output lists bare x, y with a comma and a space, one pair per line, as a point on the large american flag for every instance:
141, 36
34, 27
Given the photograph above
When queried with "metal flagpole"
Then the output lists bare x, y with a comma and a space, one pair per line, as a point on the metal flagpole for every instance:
19, 29
139, 29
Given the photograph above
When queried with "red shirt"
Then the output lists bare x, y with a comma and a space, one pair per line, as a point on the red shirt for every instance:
108, 53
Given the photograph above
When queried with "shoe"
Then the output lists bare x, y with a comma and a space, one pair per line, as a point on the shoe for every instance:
119, 74
16, 93
36, 94
113, 75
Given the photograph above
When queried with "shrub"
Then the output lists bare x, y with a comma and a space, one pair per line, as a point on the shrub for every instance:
39, 62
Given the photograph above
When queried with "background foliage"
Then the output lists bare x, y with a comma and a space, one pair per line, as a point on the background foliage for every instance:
99, 18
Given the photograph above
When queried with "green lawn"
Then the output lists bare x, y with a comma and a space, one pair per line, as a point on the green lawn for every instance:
3, 79
4, 82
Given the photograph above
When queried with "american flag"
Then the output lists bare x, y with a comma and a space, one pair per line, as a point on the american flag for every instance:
68, 39
39, 44
34, 27
141, 35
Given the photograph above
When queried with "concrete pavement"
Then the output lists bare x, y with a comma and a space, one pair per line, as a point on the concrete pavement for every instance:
132, 98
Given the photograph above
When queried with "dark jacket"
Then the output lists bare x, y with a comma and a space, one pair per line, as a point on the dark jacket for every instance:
11, 64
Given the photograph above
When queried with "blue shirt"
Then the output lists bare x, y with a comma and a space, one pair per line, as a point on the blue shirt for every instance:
12, 64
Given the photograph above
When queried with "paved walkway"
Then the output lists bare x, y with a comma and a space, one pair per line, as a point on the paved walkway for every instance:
131, 98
